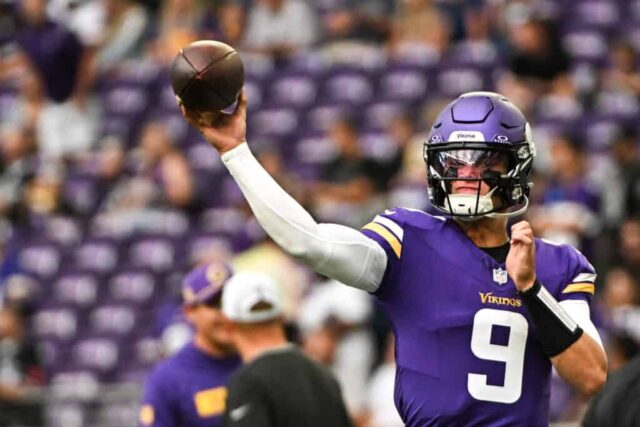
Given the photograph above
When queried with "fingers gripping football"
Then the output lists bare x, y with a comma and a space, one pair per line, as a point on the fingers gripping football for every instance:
521, 258
223, 131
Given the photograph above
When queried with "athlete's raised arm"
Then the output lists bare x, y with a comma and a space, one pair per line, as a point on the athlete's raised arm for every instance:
333, 250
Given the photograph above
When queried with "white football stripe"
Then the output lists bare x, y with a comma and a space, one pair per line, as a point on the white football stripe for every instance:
391, 225
585, 277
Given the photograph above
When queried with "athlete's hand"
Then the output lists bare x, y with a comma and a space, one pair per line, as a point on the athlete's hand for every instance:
521, 265
223, 131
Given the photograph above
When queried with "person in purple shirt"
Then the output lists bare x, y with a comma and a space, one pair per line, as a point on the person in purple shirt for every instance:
481, 311
189, 388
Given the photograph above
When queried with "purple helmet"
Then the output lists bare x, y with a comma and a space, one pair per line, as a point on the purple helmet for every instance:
480, 139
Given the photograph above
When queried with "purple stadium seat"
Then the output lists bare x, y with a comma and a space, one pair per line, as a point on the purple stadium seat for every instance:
67, 414
474, 53
199, 244
380, 114
130, 101
97, 354
551, 107
452, 81
274, 121
59, 323
377, 145
136, 286
585, 44
293, 90
598, 13
75, 384
222, 220
77, 289
600, 131
41, 260
119, 413
348, 87
321, 117
64, 231
403, 84
97, 255
113, 320
253, 90
157, 254
617, 104
202, 157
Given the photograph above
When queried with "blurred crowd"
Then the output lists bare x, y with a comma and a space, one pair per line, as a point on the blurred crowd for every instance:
107, 197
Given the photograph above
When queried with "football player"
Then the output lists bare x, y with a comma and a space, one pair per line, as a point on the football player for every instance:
481, 311
189, 389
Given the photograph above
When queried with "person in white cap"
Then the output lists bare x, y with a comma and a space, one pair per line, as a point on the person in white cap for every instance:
278, 386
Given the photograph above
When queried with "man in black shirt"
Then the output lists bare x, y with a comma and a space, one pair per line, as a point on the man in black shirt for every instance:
617, 404
278, 386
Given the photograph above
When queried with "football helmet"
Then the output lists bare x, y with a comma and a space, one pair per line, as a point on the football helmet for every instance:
480, 143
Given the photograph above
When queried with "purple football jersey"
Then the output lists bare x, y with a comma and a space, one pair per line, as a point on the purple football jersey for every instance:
466, 349
188, 389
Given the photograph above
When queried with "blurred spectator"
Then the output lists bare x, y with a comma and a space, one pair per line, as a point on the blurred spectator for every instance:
346, 189
279, 28
381, 408
349, 20
622, 73
333, 320
86, 18
180, 23
571, 204
617, 403
55, 59
127, 22
629, 245
17, 164
621, 299
420, 32
20, 369
189, 388
162, 177
477, 47
620, 181
262, 393
538, 56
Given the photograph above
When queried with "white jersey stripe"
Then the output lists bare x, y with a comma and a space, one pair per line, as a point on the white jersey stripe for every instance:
585, 277
391, 225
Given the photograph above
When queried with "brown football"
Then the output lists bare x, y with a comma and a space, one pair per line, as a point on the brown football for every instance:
207, 75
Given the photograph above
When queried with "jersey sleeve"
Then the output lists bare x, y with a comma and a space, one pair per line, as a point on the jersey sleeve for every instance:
158, 408
580, 280
387, 230
246, 404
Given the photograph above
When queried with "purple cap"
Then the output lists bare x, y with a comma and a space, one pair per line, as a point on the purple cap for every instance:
205, 282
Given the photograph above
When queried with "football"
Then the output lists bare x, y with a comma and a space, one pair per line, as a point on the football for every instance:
207, 75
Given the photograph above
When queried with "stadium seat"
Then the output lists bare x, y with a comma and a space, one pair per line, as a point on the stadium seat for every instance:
76, 289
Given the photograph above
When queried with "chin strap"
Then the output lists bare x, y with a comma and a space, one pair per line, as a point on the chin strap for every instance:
510, 214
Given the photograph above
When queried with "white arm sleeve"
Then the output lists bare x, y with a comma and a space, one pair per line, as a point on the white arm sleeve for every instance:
333, 250
580, 313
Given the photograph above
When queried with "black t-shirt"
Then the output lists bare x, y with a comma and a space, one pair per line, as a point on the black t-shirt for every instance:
618, 403
283, 388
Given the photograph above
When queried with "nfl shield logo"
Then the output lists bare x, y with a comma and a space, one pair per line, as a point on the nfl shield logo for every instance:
500, 276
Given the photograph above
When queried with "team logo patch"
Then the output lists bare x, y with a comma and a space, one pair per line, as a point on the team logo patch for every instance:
188, 295
466, 135
210, 402
216, 274
500, 276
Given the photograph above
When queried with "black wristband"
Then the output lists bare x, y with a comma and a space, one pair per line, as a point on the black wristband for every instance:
556, 330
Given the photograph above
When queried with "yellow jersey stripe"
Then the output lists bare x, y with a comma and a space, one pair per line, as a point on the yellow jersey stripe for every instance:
386, 235
580, 287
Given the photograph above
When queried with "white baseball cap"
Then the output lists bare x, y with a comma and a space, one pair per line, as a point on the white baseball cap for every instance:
251, 298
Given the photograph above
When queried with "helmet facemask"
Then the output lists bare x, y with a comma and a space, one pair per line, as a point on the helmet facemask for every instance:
470, 180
